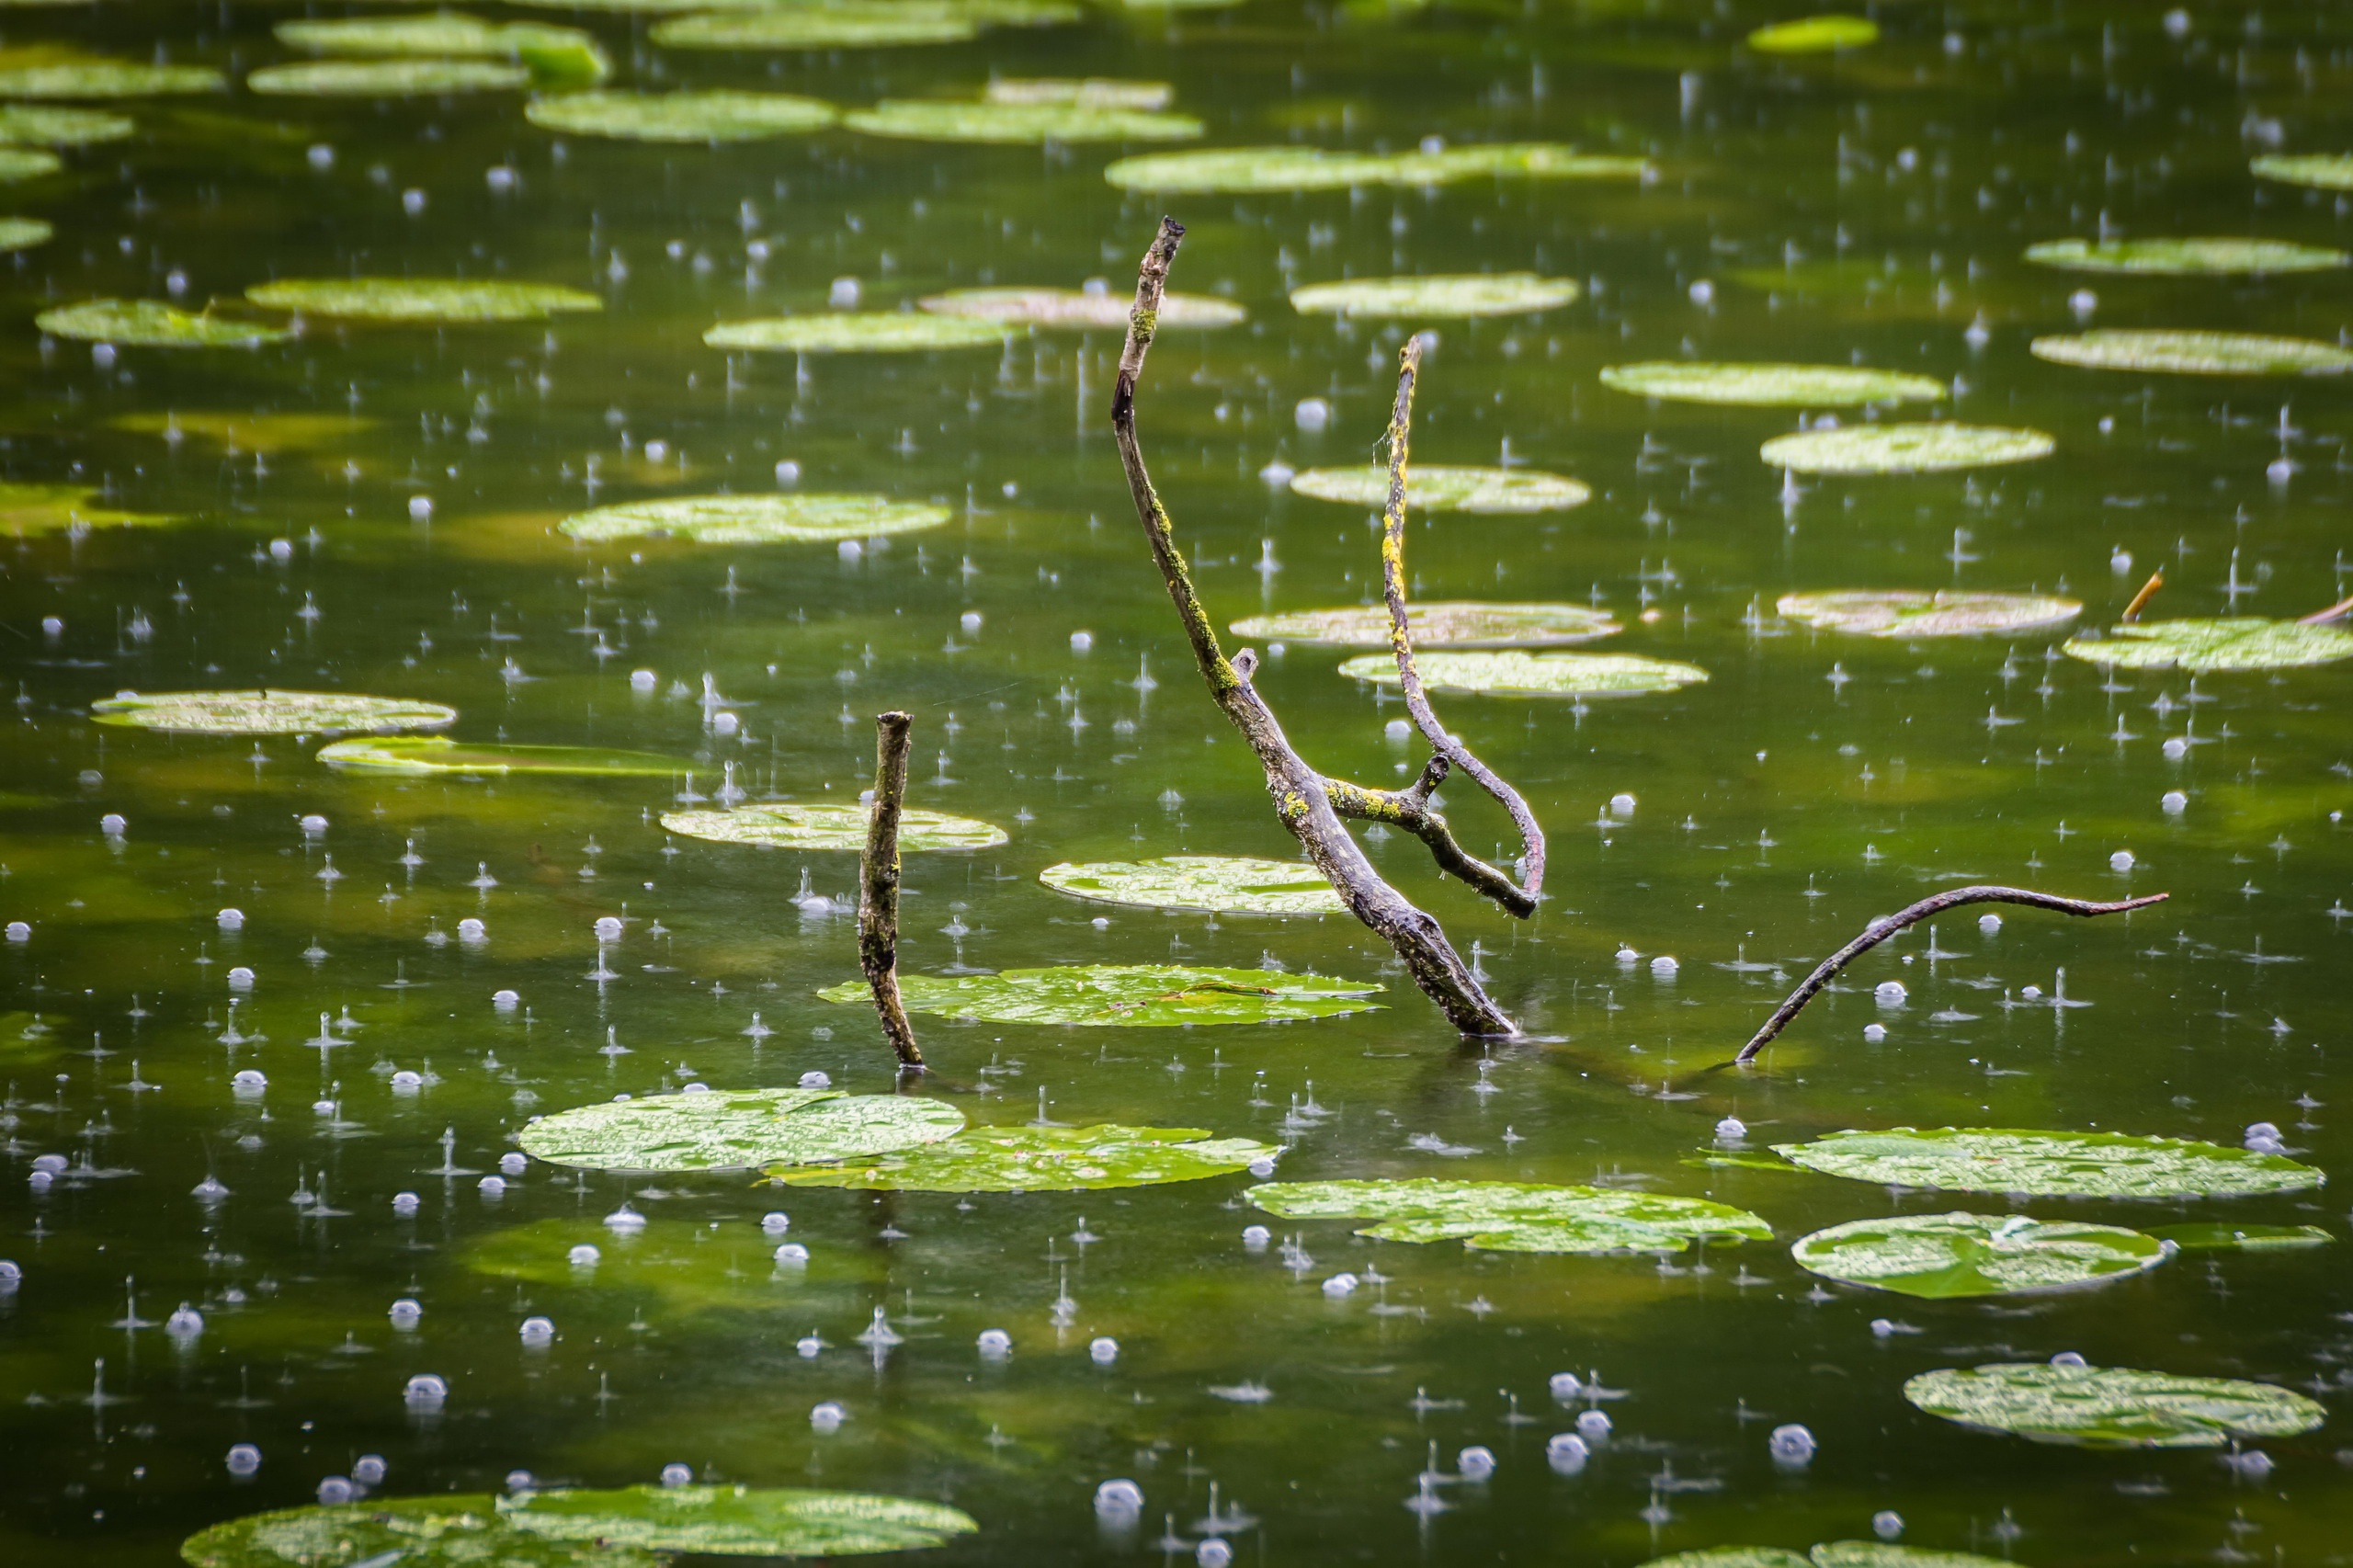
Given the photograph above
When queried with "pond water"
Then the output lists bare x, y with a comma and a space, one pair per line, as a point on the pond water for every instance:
373, 507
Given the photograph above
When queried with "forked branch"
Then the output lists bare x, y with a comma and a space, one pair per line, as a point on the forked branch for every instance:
878, 896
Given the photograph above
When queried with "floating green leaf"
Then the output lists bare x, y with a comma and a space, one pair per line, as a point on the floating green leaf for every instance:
1436, 624
1941, 1256
1041, 1159
644, 7
2111, 1407
1814, 35
1462, 295
27, 163
713, 1129
1509, 1216
2040, 1164
2202, 646
1909, 613
737, 1521
385, 78
32, 509
1512, 674
703, 117
1904, 449
2186, 259
1075, 307
432, 755
24, 125
151, 323
858, 332
268, 712
421, 299
108, 79
250, 432
2219, 1236
1734, 1557
786, 826
1092, 91
416, 1532
1220, 884
1130, 996
817, 517
1886, 1554
564, 54
1438, 488
1770, 386
2196, 353
2322, 171
923, 120
858, 23
23, 234
1241, 170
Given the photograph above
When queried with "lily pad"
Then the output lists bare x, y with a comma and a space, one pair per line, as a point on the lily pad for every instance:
1909, 613
421, 299
250, 432
23, 234
553, 53
643, 8
1769, 385
2038, 1164
1887, 1554
2186, 259
431, 756
2322, 171
1462, 295
1244, 170
1495, 491
1510, 1216
25, 125
1942, 1256
1127, 997
151, 323
1216, 884
1904, 449
2217, 1236
2111, 1407
1814, 35
27, 163
737, 1521
2196, 353
385, 78
1436, 624
108, 79
840, 827
734, 1128
1512, 674
2201, 646
416, 1532
268, 712
919, 120
858, 332
859, 24
703, 117
28, 510
1091, 91
817, 517
1077, 307
1734, 1557
1041, 1159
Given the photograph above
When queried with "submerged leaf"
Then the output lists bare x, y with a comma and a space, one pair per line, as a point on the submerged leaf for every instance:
924, 119
1509, 1216
269, 433
785, 826
1241, 170
737, 1521
1510, 673
1904, 449
1909, 612
1436, 624
268, 712
1464, 294
108, 79
859, 24
421, 299
1126, 995
857, 332
2111, 1407
2196, 353
27, 163
427, 756
1814, 35
24, 125
32, 509
1075, 307
2201, 646
2038, 1164
384, 78
448, 1531
698, 117
1217, 883
151, 323
1942, 1256
816, 517
1041, 1159
1439, 488
1769, 385
2186, 259
714, 1130
1092, 91
2322, 171
2219, 1236
558, 54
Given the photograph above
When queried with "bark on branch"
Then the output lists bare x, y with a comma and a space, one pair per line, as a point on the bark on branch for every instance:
877, 897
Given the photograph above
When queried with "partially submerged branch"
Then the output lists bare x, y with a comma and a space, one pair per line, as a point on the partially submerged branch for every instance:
1927, 909
877, 897
2148, 591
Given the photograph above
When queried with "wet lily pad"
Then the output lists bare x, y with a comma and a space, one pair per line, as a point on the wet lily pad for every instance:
1942, 1256
26, 125
1769, 385
859, 24
561, 54
2322, 171
1077, 307
2217, 1236
2199, 646
817, 517
787, 826
735, 1128
2038, 1164
1436, 624
27, 163
250, 432
1814, 35
431, 756
737, 1521
32, 509
23, 234
2196, 353
1241, 170
421, 299
108, 79
151, 323
1435, 487
268, 712
858, 332
452, 1531
1908, 613
385, 78
1462, 295
2186, 259
1734, 1557
1041, 1159
1887, 1554
916, 120
2111, 1407
1216, 884
1091, 91
1509, 1216
1904, 449
1130, 996
1511, 674
703, 117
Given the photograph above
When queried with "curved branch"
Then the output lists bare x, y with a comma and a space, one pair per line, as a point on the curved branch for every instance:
1927, 909
1409, 809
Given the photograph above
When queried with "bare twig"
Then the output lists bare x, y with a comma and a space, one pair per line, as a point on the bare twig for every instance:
2334, 613
1928, 908
2148, 591
1304, 799
878, 898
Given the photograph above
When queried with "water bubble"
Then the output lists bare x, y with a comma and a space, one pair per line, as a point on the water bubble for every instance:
102, 356
321, 156
2176, 747
850, 550
1883, 1328
643, 680
1622, 805
404, 1313
1988, 923
499, 177
625, 1221
1475, 1462
776, 1223
814, 1080
514, 1162
426, 1391
2262, 1130
2172, 802
1263, 1167
1312, 414
1119, 1496
1567, 1386
368, 1470
995, 1343
827, 1418
1889, 994
2177, 23
505, 1001
420, 508
1593, 1424
312, 826
1663, 967
608, 928
470, 929
1080, 641
241, 978
491, 1188
113, 825
1213, 1553
792, 1253
2254, 1464
787, 472
230, 919
1567, 1453
405, 1202
695, 1089
248, 1083
1791, 1446
1103, 1351
1340, 1285
1627, 955
19, 932
844, 294
520, 1481
584, 1257
677, 1475
1255, 1237
1887, 1524
413, 201
406, 1080
2120, 862
1397, 730
1703, 293
809, 1345
282, 550
1874, 1033
2069, 1359
335, 1489
1278, 474
244, 1459
2083, 301
1731, 1129
537, 1331
185, 1323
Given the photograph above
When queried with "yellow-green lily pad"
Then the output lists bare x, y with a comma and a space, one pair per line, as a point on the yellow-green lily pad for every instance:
1079, 308
1220, 884
2050, 1164
2196, 353
797, 519
1510, 1216
1089, 91
858, 332
1040, 1159
1769, 385
926, 119
1909, 612
425, 756
1508, 673
385, 78
1462, 295
108, 79
41, 126
28, 510
1126, 995
1904, 449
2111, 1407
1814, 35
2201, 646
1436, 623
268, 712
422, 298
789, 826
710, 1130
735, 1521
687, 117
2186, 259
1244, 170
443, 1531
1436, 487
151, 323
2322, 171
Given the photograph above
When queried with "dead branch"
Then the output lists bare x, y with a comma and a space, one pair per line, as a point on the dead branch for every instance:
877, 897
2334, 613
1304, 799
2148, 591
1927, 909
